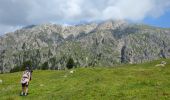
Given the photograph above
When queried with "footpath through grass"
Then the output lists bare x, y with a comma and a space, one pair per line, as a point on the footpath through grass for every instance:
127, 82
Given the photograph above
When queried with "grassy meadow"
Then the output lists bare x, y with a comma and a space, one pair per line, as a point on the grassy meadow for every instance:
125, 82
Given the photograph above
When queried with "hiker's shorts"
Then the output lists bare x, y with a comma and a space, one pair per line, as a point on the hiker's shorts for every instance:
25, 84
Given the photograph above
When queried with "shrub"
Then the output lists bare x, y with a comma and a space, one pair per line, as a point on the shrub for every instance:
26, 64
22, 68
70, 63
44, 66
15, 69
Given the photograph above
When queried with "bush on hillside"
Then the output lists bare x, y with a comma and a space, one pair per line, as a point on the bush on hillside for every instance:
15, 69
26, 64
70, 63
22, 67
44, 66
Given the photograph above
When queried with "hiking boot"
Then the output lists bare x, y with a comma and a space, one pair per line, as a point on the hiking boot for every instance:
25, 94
22, 93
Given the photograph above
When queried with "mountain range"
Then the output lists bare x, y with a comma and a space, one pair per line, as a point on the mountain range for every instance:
107, 43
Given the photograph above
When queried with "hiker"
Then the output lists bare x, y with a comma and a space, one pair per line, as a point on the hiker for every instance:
26, 77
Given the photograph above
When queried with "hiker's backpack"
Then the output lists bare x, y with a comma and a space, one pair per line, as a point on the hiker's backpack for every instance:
25, 77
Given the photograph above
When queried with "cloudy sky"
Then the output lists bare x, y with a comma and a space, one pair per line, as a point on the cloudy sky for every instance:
15, 14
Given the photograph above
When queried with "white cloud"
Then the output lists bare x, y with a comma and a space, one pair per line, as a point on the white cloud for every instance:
25, 12
7, 28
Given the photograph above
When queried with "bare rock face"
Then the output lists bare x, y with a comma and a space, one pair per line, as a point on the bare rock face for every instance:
108, 25
104, 44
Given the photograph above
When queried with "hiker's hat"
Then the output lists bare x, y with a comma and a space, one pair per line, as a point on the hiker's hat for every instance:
27, 68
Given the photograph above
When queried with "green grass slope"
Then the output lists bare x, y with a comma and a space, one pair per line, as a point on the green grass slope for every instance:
127, 82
